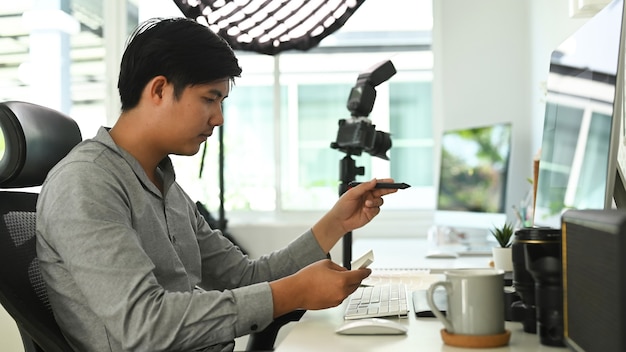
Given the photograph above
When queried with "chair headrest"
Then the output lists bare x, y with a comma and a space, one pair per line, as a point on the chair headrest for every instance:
35, 139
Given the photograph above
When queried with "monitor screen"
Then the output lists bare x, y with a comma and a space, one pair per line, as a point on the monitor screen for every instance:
577, 165
473, 176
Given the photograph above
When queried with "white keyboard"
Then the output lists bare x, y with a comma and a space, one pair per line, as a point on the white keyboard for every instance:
377, 301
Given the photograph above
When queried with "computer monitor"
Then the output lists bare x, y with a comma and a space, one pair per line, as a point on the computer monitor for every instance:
473, 178
578, 163
619, 114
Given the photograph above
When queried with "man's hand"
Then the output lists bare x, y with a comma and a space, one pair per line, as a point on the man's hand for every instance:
355, 208
320, 285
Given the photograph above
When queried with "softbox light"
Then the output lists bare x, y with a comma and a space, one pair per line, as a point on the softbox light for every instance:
271, 26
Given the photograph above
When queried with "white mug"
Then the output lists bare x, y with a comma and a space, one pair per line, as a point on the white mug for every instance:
475, 299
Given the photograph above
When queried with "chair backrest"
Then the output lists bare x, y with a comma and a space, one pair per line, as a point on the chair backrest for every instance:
35, 139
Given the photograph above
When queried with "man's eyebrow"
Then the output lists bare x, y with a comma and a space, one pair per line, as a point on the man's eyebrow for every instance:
217, 92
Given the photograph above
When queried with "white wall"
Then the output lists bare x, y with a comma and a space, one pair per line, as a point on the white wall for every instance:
482, 65
491, 57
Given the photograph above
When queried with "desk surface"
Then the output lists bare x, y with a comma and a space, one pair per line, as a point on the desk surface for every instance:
316, 330
411, 253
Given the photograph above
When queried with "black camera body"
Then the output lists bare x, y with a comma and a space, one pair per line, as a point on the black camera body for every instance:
358, 134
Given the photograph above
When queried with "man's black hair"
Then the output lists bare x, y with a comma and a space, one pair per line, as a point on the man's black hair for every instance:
184, 51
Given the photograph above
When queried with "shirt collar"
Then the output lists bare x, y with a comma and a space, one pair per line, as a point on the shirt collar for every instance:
165, 166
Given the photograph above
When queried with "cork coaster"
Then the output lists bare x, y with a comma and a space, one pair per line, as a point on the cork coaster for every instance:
476, 341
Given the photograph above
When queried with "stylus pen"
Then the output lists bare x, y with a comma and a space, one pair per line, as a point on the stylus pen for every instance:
383, 185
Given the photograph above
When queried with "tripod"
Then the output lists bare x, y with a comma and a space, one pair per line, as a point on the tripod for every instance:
347, 173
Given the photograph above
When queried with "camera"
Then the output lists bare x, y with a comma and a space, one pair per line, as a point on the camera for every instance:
537, 279
358, 134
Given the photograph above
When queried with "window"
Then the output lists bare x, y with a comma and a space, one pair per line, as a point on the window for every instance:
73, 35
281, 115
410, 115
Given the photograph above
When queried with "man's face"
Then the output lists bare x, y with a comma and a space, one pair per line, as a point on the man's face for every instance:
191, 118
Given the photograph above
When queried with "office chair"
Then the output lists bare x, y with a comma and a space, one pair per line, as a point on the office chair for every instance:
35, 139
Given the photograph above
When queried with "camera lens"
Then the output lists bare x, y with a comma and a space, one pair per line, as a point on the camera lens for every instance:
381, 143
524, 284
542, 260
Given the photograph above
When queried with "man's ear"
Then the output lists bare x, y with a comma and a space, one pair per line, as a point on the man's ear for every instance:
156, 88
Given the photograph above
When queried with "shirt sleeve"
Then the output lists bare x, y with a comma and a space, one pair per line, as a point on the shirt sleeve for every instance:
94, 265
224, 265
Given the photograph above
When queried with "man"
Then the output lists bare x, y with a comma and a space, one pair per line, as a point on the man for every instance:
129, 263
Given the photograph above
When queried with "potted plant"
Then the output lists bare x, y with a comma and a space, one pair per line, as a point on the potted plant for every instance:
502, 257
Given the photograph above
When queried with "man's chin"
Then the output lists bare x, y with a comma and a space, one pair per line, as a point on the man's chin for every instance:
191, 151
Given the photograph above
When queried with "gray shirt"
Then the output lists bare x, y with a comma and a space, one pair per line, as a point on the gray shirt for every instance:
131, 269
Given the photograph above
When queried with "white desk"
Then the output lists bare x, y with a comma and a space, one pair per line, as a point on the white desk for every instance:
316, 330
397, 253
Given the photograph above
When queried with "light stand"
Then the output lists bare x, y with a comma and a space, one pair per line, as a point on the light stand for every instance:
347, 173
